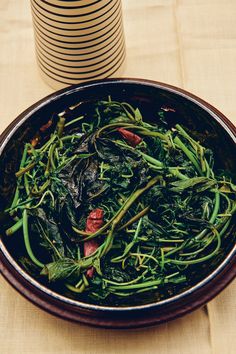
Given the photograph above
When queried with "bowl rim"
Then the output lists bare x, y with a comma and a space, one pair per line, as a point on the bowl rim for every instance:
7, 134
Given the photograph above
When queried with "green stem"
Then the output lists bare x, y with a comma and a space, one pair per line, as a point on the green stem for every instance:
135, 218
60, 126
51, 156
67, 138
74, 121
174, 171
186, 135
130, 245
25, 169
14, 228
47, 144
26, 183
15, 199
42, 199
188, 153
149, 283
216, 207
213, 215
147, 132
41, 189
78, 290
151, 159
199, 260
27, 241
108, 281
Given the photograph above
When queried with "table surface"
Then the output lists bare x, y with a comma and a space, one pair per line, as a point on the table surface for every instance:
187, 43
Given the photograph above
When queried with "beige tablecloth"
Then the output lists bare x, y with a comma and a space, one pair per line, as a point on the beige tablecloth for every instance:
188, 43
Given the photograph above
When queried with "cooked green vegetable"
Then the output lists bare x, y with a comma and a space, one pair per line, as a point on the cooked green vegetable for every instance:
111, 206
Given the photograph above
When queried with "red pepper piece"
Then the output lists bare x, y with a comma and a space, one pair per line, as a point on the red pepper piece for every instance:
94, 220
34, 141
94, 223
46, 126
90, 247
130, 137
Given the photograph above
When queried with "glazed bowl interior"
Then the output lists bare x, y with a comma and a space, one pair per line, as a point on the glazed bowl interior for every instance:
206, 125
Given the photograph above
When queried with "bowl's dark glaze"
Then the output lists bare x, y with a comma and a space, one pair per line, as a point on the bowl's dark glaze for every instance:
214, 130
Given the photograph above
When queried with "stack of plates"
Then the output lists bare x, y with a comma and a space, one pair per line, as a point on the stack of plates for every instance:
78, 40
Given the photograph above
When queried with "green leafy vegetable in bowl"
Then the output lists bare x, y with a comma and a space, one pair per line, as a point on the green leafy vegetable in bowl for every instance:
110, 206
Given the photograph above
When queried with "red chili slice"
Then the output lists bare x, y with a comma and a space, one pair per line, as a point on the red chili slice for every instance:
94, 223
34, 141
130, 137
46, 126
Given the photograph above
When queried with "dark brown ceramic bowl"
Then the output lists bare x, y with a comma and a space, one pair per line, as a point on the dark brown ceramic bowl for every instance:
218, 133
